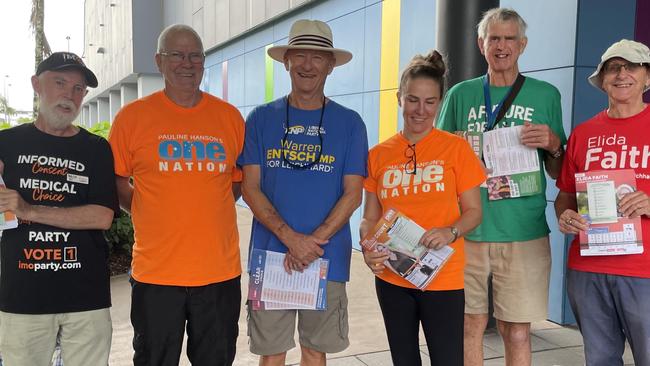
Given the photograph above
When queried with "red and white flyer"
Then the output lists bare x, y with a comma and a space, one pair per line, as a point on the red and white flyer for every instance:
610, 233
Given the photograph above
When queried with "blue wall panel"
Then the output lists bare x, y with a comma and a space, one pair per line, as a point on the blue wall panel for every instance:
372, 47
371, 116
233, 50
558, 303
417, 29
236, 79
215, 81
281, 80
254, 76
332, 9
601, 23
551, 32
588, 100
348, 34
258, 39
213, 58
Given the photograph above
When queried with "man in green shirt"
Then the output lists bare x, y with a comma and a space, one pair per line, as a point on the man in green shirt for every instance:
512, 241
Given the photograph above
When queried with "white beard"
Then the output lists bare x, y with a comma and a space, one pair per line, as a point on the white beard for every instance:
56, 120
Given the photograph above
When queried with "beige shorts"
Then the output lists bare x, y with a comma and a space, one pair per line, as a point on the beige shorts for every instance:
27, 339
272, 331
520, 276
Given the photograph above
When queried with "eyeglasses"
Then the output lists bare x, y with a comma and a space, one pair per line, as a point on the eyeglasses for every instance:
178, 57
613, 68
411, 165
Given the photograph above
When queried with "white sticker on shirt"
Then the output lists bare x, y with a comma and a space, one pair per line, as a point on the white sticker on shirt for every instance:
77, 178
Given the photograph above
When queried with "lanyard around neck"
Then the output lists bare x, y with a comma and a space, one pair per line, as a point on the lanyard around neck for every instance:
506, 101
320, 139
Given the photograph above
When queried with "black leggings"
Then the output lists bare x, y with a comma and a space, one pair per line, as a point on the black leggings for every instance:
441, 314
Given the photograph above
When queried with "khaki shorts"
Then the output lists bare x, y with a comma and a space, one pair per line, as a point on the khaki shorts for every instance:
272, 331
27, 339
520, 276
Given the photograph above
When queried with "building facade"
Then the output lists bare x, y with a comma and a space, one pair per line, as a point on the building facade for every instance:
565, 41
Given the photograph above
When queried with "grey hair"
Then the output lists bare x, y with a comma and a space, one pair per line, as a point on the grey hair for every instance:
174, 29
500, 15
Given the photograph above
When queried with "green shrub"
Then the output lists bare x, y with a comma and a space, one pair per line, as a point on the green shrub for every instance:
120, 235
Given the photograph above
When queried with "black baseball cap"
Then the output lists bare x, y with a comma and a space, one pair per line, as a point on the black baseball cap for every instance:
67, 60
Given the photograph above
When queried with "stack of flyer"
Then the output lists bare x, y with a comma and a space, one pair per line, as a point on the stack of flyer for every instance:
398, 236
514, 168
610, 233
272, 288
7, 219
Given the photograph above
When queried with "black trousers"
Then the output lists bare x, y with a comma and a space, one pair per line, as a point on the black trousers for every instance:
441, 314
160, 314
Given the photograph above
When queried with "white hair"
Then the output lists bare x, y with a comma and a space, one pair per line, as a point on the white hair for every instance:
174, 29
500, 15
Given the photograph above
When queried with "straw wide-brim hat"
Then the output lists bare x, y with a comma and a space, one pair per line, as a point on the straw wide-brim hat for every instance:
310, 35
631, 51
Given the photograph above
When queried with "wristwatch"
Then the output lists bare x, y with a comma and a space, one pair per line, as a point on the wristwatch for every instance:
454, 232
557, 153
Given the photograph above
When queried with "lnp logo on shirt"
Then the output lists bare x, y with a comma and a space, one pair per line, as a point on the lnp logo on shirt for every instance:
191, 153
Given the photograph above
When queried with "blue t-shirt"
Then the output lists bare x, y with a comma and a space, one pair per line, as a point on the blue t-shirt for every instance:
304, 198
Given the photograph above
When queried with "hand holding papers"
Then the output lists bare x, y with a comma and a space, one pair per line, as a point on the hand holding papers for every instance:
515, 168
272, 288
7, 219
399, 237
610, 233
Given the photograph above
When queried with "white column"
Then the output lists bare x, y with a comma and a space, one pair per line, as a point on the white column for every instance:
103, 110
93, 113
85, 115
148, 84
128, 93
115, 103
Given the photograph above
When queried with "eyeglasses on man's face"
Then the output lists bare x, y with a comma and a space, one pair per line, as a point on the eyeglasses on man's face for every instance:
410, 167
613, 68
178, 57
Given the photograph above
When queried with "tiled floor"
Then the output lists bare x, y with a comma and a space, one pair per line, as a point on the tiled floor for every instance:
552, 344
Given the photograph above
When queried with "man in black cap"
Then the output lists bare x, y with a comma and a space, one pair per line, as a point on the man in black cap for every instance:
61, 186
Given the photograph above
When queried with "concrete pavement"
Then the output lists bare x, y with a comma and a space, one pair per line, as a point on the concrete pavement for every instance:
552, 344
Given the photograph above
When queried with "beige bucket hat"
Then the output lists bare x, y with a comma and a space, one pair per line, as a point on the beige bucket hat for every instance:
628, 50
310, 35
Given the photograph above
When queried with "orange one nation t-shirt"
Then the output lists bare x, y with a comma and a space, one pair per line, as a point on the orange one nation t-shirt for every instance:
446, 167
182, 161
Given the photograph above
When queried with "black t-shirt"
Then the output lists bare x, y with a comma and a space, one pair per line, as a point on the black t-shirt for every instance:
46, 269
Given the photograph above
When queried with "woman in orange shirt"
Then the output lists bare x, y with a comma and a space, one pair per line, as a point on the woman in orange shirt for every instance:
432, 177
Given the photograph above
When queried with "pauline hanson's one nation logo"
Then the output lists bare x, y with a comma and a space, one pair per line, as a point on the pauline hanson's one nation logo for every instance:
183, 155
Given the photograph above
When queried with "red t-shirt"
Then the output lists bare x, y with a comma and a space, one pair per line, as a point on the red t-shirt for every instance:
448, 167
604, 143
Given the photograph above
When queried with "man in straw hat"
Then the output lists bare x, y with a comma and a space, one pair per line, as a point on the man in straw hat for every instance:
304, 161
610, 294
60, 184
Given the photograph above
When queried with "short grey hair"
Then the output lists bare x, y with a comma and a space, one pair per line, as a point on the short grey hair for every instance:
500, 15
175, 29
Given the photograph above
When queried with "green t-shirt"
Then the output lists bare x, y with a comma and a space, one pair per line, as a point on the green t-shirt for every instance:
514, 219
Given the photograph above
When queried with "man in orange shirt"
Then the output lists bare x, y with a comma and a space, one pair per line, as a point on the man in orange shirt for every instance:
179, 145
